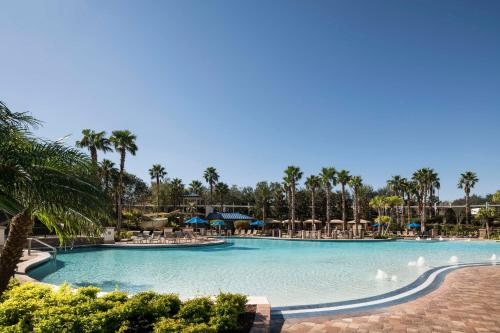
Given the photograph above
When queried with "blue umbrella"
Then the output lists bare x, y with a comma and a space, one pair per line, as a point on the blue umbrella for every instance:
218, 223
196, 220
378, 224
414, 225
257, 223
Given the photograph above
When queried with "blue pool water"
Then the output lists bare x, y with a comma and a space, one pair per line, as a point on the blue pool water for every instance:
287, 272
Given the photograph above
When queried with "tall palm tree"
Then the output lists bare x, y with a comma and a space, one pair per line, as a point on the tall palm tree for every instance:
424, 179
221, 190
123, 141
262, 195
211, 177
107, 167
313, 183
196, 187
287, 189
396, 186
328, 180
176, 190
43, 180
158, 173
293, 174
434, 184
94, 141
356, 182
408, 191
466, 182
343, 178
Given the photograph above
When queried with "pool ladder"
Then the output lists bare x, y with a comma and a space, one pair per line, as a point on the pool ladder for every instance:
52, 250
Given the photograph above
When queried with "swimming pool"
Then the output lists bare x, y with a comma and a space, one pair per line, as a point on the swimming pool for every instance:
287, 272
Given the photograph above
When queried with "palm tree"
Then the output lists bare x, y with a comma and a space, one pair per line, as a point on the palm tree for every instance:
393, 202
486, 214
343, 178
262, 196
176, 191
423, 178
211, 177
434, 184
293, 175
396, 185
158, 173
380, 204
356, 182
466, 182
328, 180
43, 180
123, 141
196, 187
221, 190
94, 141
107, 167
313, 183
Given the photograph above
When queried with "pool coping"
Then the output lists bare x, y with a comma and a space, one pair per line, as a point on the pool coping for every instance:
427, 282
160, 245
364, 240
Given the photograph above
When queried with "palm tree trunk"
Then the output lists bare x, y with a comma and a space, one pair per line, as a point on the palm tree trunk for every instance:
93, 155
157, 194
120, 191
211, 193
20, 226
327, 212
422, 215
344, 217
467, 209
313, 212
293, 210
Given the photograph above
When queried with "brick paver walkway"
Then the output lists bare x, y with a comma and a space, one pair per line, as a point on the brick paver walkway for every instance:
467, 301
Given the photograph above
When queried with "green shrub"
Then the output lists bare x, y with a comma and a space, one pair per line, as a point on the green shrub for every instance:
227, 309
196, 311
167, 325
37, 308
199, 328
143, 309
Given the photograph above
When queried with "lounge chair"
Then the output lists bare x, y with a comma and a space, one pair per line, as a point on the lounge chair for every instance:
254, 233
136, 236
155, 237
249, 232
236, 232
169, 237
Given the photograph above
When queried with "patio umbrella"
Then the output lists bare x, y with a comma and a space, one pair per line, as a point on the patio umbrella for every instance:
218, 223
257, 223
378, 224
196, 220
414, 225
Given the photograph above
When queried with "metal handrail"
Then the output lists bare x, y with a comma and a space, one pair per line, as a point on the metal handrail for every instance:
53, 250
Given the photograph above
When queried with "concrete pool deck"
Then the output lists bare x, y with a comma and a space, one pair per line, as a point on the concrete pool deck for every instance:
467, 301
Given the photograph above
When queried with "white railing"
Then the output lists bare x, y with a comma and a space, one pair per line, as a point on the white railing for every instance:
52, 250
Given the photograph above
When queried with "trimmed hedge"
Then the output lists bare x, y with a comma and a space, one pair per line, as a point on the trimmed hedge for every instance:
37, 308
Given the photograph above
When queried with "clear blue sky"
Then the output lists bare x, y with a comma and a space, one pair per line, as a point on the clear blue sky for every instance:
377, 87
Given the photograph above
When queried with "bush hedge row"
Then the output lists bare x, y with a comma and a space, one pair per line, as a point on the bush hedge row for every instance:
37, 308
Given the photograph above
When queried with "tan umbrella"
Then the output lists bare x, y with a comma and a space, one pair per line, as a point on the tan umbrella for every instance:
312, 221
360, 221
272, 221
289, 221
336, 221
